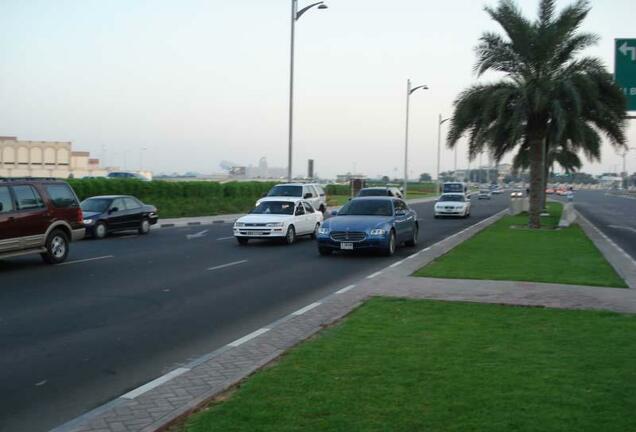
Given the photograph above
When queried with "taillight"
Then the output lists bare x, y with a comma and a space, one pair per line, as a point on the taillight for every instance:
80, 215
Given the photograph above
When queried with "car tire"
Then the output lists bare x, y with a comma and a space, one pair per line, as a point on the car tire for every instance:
56, 247
413, 241
100, 231
242, 240
391, 246
315, 233
324, 251
290, 237
144, 227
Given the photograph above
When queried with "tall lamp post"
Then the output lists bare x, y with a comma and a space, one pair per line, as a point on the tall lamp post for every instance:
440, 122
295, 16
624, 155
409, 92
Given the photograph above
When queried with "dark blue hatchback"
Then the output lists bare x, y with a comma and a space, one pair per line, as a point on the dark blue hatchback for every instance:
377, 223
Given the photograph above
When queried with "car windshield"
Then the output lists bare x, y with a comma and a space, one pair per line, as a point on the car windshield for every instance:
453, 187
367, 208
274, 207
446, 198
95, 205
290, 191
373, 192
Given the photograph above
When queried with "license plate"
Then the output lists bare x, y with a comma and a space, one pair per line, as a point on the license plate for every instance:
346, 246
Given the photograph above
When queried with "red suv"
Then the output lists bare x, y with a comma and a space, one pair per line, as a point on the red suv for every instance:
38, 216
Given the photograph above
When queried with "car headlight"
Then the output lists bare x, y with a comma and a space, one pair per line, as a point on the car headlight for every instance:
323, 231
377, 232
88, 221
274, 224
239, 224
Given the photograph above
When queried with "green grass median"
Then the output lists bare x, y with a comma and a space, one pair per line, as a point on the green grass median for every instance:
405, 365
509, 251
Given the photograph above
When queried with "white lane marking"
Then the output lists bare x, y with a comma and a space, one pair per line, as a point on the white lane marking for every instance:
200, 234
227, 265
394, 265
306, 308
626, 228
225, 238
371, 276
154, 383
87, 260
248, 337
41, 383
427, 249
345, 289
127, 236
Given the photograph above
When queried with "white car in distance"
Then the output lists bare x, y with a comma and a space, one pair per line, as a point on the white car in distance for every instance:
453, 204
278, 218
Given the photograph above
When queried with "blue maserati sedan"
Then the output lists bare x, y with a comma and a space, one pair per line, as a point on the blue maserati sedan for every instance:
369, 223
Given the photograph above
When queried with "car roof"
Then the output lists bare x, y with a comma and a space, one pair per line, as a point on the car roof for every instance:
374, 198
110, 196
454, 193
282, 198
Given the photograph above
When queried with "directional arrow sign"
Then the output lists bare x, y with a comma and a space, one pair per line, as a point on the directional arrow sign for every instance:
625, 69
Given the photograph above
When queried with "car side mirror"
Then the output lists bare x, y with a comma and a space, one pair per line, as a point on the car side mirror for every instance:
308, 195
113, 210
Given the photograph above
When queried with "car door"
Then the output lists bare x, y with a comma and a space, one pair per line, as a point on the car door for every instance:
300, 219
9, 233
402, 220
134, 212
32, 217
117, 214
310, 216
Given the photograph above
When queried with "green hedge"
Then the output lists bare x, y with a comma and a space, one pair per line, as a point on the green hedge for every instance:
179, 199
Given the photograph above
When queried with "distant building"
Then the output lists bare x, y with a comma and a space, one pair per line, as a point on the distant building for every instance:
45, 159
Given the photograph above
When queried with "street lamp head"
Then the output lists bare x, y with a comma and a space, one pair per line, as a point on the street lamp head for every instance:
323, 6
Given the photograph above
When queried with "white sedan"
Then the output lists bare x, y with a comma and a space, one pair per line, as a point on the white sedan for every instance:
453, 204
278, 218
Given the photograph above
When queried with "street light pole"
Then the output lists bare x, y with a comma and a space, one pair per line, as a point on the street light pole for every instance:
440, 122
409, 92
295, 16
625, 173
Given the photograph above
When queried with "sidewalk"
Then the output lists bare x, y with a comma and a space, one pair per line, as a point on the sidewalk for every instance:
180, 391
231, 218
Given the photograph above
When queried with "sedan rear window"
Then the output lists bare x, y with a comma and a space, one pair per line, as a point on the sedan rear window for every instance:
458, 198
374, 192
367, 208
274, 207
290, 191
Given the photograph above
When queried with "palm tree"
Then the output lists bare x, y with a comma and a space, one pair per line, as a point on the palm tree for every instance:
547, 90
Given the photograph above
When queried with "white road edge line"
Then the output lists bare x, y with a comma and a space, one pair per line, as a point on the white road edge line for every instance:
248, 337
371, 276
227, 265
154, 383
224, 238
394, 265
345, 289
306, 309
87, 260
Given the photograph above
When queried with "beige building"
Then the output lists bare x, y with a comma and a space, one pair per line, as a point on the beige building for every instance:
45, 159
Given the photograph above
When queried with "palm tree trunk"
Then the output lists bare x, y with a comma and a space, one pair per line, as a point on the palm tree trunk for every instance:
546, 176
536, 179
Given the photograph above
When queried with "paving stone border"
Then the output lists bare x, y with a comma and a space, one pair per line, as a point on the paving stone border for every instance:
156, 404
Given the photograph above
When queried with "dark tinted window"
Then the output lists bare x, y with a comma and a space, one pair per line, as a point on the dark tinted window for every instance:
28, 198
274, 207
400, 205
119, 204
132, 204
458, 198
367, 208
96, 205
6, 201
453, 187
291, 191
61, 195
300, 210
374, 192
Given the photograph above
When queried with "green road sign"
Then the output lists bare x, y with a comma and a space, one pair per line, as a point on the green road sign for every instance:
625, 69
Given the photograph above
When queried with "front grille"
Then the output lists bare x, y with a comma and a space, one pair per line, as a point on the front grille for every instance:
347, 236
254, 224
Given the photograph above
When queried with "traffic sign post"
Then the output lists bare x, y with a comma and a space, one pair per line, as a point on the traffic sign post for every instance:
625, 69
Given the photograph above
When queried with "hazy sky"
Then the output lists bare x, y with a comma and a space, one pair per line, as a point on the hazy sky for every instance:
201, 81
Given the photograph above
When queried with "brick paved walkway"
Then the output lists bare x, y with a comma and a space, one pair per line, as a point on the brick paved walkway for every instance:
157, 403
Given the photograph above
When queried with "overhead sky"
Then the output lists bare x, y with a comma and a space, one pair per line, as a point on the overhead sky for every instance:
196, 82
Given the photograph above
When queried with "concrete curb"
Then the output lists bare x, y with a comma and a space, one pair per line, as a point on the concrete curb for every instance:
624, 265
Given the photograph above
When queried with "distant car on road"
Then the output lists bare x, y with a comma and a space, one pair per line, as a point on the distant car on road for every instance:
453, 204
313, 193
112, 213
369, 223
516, 193
278, 218
381, 191
126, 175
484, 194
38, 216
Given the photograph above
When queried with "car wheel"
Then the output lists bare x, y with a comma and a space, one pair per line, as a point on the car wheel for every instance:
144, 228
315, 233
413, 241
56, 247
100, 230
390, 248
290, 237
324, 251
242, 240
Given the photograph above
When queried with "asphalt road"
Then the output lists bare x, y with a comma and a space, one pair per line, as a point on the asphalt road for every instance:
614, 215
75, 336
